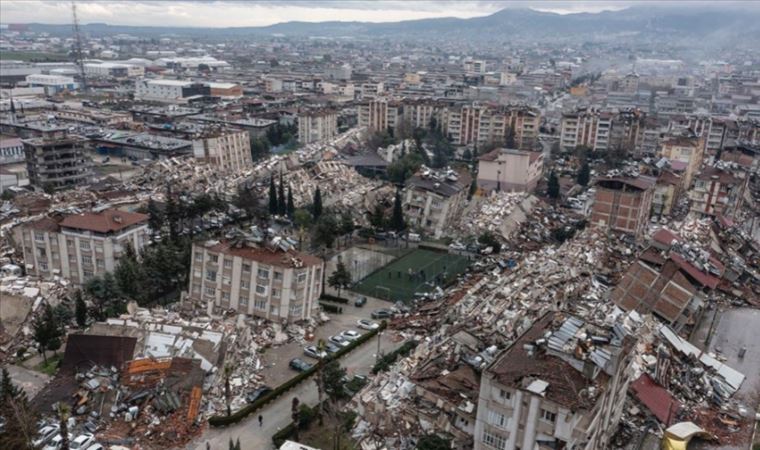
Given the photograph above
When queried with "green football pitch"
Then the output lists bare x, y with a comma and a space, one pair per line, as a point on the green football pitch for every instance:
415, 272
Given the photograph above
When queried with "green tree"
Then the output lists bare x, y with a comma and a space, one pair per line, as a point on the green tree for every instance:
584, 174
334, 381
63, 422
155, 217
291, 207
377, 217
282, 202
127, 274
80, 309
295, 415
47, 332
302, 218
228, 369
433, 442
316, 206
20, 419
273, 204
489, 239
347, 226
340, 278
552, 190
397, 217
325, 231
246, 200
173, 214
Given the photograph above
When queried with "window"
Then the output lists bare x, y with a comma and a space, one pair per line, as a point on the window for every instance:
301, 277
39, 237
263, 273
494, 440
225, 296
243, 301
245, 284
87, 274
497, 419
262, 290
100, 264
246, 267
70, 242
43, 266
199, 257
275, 293
278, 276
506, 395
260, 304
84, 245
548, 415
87, 260
295, 310
227, 263
41, 252
211, 275
197, 288
210, 291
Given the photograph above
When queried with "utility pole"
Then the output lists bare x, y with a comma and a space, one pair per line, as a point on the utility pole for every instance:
78, 46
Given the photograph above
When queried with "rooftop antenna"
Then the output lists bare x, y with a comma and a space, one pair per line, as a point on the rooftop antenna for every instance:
78, 46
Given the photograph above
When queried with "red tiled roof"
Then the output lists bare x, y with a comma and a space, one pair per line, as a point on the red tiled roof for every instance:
656, 398
110, 220
44, 224
665, 236
264, 255
705, 279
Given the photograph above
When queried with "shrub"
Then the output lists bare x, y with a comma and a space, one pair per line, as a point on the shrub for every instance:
387, 361
333, 298
331, 308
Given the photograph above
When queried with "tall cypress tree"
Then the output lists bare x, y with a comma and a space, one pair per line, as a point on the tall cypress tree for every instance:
553, 188
273, 205
291, 208
397, 219
317, 206
282, 203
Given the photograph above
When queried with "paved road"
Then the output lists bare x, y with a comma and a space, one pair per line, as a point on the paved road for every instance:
277, 414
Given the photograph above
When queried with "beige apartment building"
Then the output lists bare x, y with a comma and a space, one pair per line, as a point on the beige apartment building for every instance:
554, 389
480, 125
80, 246
227, 150
688, 149
317, 126
270, 281
509, 170
379, 114
586, 128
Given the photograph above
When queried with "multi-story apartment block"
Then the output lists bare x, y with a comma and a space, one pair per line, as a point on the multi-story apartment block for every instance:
718, 192
272, 281
228, 150
78, 247
480, 125
380, 114
509, 170
317, 126
57, 162
180, 91
586, 128
555, 387
666, 192
686, 148
623, 204
434, 200
420, 113
11, 151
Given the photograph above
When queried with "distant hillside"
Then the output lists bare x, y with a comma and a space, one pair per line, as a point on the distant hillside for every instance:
639, 23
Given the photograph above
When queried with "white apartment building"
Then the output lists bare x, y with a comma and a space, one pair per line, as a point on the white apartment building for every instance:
273, 281
52, 83
552, 389
586, 128
509, 170
227, 150
113, 70
317, 126
11, 151
480, 125
80, 246
170, 91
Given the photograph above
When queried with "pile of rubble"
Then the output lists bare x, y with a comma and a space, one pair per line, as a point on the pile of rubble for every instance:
499, 212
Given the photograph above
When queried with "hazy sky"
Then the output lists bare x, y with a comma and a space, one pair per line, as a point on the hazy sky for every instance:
230, 13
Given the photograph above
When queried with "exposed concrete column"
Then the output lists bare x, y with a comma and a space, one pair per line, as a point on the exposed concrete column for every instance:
515, 422
529, 438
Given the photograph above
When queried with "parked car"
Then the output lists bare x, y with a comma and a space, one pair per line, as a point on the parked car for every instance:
312, 352
360, 301
366, 324
82, 441
351, 335
299, 365
56, 442
95, 446
382, 314
257, 394
332, 348
339, 340
413, 237
45, 434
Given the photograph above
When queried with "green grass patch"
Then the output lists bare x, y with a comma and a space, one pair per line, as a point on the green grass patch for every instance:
393, 282
51, 366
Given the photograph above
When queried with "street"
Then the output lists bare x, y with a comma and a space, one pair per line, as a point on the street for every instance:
276, 415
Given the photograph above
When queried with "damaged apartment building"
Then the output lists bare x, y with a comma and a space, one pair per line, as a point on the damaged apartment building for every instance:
434, 200
270, 279
562, 384
80, 246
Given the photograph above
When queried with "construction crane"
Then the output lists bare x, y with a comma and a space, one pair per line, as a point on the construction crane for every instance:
78, 47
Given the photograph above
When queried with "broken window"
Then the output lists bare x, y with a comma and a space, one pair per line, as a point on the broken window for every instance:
548, 415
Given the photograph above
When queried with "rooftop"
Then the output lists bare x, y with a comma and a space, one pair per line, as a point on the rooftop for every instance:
269, 254
107, 221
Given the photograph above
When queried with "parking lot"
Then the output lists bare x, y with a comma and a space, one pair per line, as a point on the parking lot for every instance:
276, 370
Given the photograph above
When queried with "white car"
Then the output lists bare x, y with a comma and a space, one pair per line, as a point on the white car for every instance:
366, 324
95, 446
46, 433
312, 352
339, 340
55, 443
351, 335
82, 442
